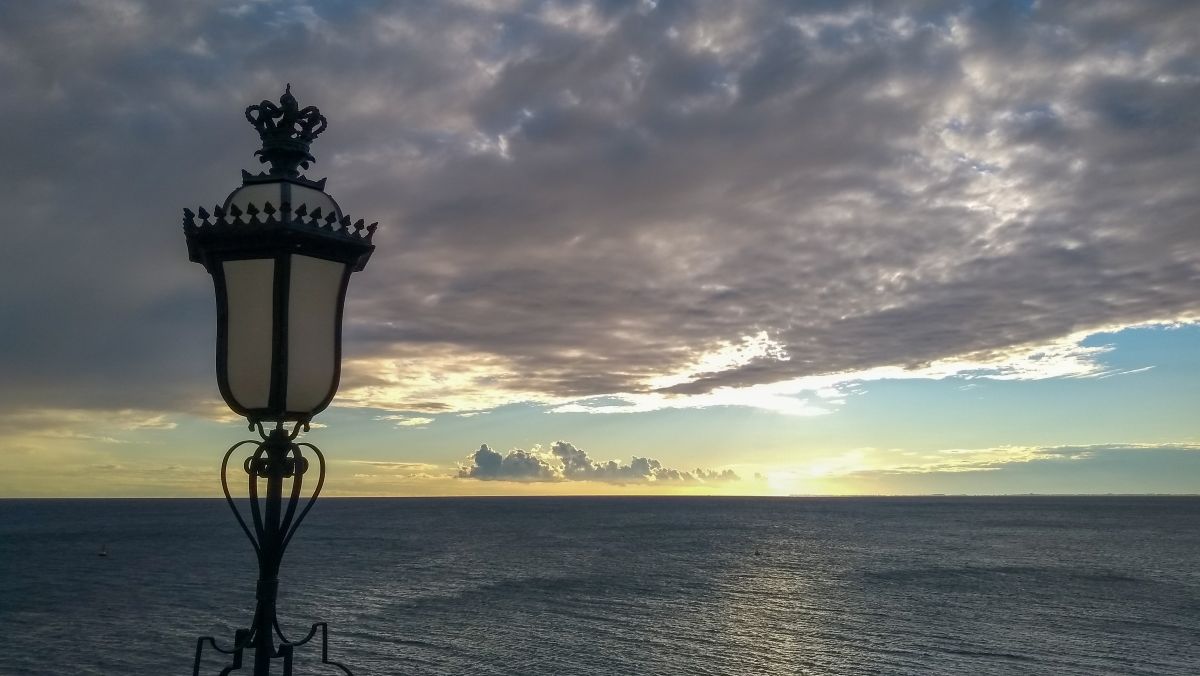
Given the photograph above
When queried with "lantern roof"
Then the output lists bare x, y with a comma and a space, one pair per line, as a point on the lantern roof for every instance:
267, 228
280, 210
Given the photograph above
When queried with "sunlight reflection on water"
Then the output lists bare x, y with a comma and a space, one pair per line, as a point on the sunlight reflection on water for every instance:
621, 585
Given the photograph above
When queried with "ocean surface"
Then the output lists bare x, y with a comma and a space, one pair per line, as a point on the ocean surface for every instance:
588, 586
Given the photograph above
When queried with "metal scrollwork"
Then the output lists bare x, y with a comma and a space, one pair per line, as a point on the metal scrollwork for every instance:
272, 524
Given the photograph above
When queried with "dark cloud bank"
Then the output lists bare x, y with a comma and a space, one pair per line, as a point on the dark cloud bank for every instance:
565, 462
597, 192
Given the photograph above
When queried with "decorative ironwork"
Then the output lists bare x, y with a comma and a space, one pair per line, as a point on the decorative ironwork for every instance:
283, 216
287, 132
238, 227
276, 457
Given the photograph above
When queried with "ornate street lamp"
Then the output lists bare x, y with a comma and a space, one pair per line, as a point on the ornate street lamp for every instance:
280, 252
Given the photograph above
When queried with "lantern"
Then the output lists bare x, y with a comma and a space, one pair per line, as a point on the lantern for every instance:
280, 252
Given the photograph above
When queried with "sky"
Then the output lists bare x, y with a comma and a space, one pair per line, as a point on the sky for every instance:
702, 247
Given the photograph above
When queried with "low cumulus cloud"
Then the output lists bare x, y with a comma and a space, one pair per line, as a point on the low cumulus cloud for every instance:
566, 462
516, 465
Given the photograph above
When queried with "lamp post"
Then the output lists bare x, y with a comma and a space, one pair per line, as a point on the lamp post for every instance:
280, 252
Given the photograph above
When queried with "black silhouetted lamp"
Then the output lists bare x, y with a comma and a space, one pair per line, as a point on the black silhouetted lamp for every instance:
280, 252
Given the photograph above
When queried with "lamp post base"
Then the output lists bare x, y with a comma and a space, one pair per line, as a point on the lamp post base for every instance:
244, 639
276, 457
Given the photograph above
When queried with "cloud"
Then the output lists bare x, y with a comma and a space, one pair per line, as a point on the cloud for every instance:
117, 426
565, 462
1168, 467
401, 467
517, 465
683, 204
1095, 468
892, 462
401, 421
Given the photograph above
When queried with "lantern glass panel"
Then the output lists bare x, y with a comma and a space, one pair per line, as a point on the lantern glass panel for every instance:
249, 297
315, 293
259, 194
312, 199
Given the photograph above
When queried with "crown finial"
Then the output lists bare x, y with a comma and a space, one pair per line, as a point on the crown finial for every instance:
287, 132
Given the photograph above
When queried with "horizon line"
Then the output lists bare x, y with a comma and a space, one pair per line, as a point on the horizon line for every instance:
836, 496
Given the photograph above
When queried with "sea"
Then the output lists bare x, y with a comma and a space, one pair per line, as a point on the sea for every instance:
618, 585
